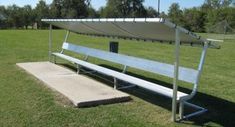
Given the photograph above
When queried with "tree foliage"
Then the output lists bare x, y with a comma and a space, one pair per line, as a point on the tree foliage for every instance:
194, 19
3, 17
70, 8
201, 19
28, 16
151, 12
218, 11
123, 8
197, 19
15, 16
217, 4
175, 14
42, 11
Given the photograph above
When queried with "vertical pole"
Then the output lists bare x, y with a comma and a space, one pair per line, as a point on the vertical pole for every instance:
50, 42
115, 83
158, 9
78, 69
124, 69
65, 40
176, 72
86, 58
67, 35
200, 67
181, 110
202, 60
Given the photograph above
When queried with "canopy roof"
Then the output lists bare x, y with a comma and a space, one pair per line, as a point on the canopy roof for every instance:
149, 29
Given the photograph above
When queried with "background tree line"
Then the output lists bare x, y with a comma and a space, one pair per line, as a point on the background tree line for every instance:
197, 19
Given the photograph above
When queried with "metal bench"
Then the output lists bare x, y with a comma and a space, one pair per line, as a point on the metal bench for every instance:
185, 74
146, 29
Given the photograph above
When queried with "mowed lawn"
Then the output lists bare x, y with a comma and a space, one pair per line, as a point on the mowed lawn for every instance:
25, 101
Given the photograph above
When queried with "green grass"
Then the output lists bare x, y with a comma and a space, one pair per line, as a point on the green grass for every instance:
24, 101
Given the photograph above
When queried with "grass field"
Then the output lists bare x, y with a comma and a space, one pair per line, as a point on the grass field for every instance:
24, 101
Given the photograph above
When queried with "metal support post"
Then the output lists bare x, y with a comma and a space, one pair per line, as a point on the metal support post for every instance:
176, 72
67, 36
54, 59
124, 69
202, 60
50, 42
158, 9
126, 87
115, 83
201, 111
86, 58
181, 109
194, 91
66, 39
78, 69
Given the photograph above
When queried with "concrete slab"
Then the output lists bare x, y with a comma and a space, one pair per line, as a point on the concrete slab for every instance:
80, 90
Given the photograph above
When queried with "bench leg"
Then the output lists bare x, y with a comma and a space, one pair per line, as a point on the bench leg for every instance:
115, 83
200, 111
181, 110
54, 59
86, 58
78, 69
126, 87
124, 69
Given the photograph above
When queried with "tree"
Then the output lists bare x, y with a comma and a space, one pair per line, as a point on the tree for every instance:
112, 9
163, 15
124, 8
70, 8
28, 16
216, 4
194, 19
56, 7
92, 13
15, 16
42, 11
176, 14
3, 17
226, 14
2, 12
151, 12
218, 11
102, 12
137, 8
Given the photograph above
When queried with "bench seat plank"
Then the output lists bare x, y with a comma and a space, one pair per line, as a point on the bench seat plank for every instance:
185, 74
121, 76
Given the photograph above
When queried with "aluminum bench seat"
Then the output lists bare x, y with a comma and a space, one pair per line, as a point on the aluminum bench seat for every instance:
121, 76
185, 74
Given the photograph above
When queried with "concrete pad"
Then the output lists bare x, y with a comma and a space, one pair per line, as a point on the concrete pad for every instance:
81, 90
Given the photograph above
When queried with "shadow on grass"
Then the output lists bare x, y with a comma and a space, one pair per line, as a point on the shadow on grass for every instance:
220, 111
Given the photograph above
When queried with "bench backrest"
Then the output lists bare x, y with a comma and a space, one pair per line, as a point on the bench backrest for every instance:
185, 74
